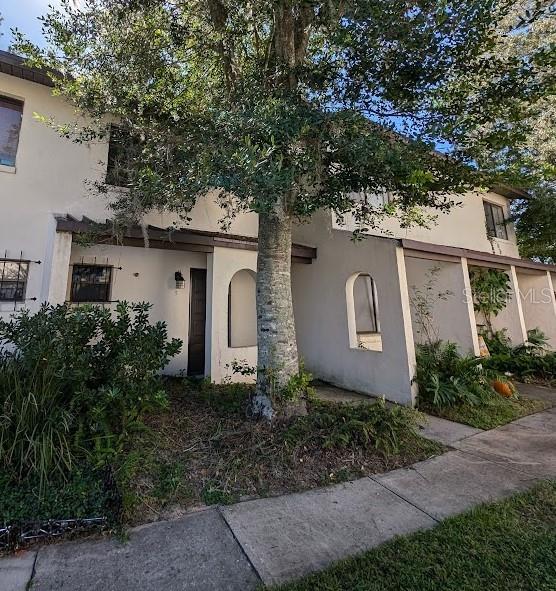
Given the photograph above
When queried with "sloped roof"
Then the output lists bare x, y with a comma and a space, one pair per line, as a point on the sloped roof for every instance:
14, 65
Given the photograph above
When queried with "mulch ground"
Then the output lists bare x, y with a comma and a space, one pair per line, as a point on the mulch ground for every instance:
204, 450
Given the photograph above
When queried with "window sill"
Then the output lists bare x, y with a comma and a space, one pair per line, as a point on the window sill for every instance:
8, 169
7, 306
369, 342
496, 239
84, 303
246, 347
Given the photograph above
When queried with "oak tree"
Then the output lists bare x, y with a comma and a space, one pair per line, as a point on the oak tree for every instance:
285, 107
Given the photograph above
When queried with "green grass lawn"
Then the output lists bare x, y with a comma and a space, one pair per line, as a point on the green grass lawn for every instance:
491, 413
510, 545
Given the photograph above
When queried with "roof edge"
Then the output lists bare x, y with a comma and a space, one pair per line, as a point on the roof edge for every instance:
15, 65
510, 192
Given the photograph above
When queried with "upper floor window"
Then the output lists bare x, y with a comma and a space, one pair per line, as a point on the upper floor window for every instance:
495, 221
11, 112
122, 149
13, 280
90, 283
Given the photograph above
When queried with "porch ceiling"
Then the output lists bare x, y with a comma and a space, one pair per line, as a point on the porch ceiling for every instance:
473, 256
170, 239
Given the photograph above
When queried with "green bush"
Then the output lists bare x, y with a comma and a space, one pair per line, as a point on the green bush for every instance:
75, 381
36, 421
446, 378
530, 361
84, 493
374, 425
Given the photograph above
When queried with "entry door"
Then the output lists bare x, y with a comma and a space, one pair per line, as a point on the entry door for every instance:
197, 322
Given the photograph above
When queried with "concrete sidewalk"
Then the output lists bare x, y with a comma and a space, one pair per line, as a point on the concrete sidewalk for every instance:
276, 539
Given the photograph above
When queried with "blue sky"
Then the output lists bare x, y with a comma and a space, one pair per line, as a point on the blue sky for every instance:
23, 15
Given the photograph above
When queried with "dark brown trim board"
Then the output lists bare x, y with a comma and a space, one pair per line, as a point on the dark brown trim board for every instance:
170, 239
473, 255
14, 65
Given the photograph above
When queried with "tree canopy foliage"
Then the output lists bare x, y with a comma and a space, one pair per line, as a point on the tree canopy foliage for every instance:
263, 99
535, 221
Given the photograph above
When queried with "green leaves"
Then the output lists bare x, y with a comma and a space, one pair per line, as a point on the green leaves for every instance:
535, 221
491, 292
265, 100
446, 378
77, 384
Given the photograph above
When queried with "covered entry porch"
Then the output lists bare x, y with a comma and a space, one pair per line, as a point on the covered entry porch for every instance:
444, 274
201, 284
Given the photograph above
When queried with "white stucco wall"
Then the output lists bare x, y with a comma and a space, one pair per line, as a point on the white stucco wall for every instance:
319, 297
452, 316
147, 275
463, 226
52, 176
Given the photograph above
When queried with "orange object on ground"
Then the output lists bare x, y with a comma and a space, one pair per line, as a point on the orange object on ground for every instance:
503, 388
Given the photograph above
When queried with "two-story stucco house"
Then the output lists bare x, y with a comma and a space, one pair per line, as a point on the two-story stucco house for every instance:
352, 300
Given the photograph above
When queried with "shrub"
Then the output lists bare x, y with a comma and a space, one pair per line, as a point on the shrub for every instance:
84, 493
491, 291
36, 420
374, 425
75, 380
446, 378
498, 342
530, 361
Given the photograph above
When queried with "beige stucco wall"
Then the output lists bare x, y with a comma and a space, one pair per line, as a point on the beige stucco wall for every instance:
452, 316
223, 264
463, 226
53, 176
510, 319
147, 275
538, 303
321, 315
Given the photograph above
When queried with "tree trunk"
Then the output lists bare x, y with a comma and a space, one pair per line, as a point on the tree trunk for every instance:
276, 344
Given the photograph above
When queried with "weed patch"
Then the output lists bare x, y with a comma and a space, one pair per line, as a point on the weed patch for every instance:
202, 449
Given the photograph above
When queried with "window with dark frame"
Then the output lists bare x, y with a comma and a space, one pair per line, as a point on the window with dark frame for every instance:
495, 220
11, 113
122, 148
13, 280
91, 283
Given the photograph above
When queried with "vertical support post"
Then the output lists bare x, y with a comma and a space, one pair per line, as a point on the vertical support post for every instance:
59, 268
208, 326
519, 306
468, 297
550, 288
407, 326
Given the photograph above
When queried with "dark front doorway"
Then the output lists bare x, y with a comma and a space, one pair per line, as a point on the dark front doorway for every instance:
197, 322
